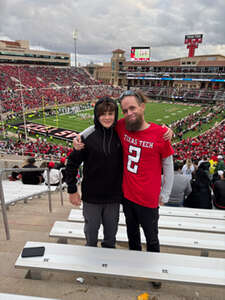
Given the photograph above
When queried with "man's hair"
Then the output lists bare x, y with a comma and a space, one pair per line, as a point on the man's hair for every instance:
138, 94
142, 98
31, 160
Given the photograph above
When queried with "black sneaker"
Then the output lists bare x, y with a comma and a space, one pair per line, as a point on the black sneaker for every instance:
156, 284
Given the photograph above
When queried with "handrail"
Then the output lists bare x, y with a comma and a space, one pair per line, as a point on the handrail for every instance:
2, 198
60, 184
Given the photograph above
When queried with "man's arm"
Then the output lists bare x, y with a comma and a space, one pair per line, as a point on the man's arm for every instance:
168, 175
77, 141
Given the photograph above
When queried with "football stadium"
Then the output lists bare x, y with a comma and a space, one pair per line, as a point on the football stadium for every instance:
45, 103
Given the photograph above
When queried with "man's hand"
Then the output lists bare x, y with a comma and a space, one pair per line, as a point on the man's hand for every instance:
161, 203
168, 135
77, 143
75, 199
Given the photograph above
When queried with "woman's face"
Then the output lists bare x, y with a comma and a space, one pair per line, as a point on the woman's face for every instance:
107, 119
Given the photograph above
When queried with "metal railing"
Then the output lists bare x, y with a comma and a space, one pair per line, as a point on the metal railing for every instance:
2, 197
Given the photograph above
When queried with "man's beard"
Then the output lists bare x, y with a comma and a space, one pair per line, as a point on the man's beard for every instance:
134, 125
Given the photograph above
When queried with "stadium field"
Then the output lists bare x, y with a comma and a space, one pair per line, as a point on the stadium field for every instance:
161, 113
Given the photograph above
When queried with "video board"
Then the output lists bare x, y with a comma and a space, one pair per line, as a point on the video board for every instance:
140, 53
196, 38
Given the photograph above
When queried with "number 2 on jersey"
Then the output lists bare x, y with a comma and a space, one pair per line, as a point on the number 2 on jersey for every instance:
133, 159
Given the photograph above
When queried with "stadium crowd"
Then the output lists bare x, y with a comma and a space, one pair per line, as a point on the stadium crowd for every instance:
36, 86
46, 86
211, 144
194, 121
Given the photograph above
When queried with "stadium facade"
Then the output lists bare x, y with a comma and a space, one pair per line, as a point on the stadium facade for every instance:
19, 52
198, 78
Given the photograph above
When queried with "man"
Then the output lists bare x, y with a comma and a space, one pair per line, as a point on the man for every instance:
181, 187
145, 153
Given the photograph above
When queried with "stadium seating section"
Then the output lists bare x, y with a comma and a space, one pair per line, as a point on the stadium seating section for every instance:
37, 84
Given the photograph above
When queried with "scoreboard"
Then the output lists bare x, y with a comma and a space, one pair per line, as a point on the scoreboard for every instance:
193, 38
192, 41
140, 53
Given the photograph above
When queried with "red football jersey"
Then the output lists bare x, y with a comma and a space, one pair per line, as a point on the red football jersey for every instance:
143, 152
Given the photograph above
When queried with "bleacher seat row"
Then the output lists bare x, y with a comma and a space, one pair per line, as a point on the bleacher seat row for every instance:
203, 241
167, 222
124, 263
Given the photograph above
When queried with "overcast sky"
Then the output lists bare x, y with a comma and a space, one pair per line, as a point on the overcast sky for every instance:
106, 25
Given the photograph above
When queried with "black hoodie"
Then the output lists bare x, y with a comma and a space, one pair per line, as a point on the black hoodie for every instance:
102, 168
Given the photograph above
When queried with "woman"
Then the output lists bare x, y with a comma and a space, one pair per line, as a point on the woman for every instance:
188, 168
102, 175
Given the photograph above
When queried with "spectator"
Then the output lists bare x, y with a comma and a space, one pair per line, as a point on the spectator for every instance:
145, 153
220, 164
43, 165
204, 159
200, 197
219, 191
62, 165
31, 177
15, 175
181, 187
53, 175
188, 168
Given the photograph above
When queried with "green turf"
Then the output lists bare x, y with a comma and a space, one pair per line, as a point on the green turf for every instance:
161, 113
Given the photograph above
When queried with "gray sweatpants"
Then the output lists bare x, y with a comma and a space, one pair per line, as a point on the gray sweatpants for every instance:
94, 216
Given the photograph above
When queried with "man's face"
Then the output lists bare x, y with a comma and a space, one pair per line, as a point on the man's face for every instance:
133, 113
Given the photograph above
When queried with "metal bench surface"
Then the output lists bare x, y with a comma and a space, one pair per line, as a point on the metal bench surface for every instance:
167, 222
127, 264
168, 238
192, 212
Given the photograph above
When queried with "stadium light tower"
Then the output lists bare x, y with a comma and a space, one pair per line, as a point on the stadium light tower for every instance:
23, 108
75, 34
